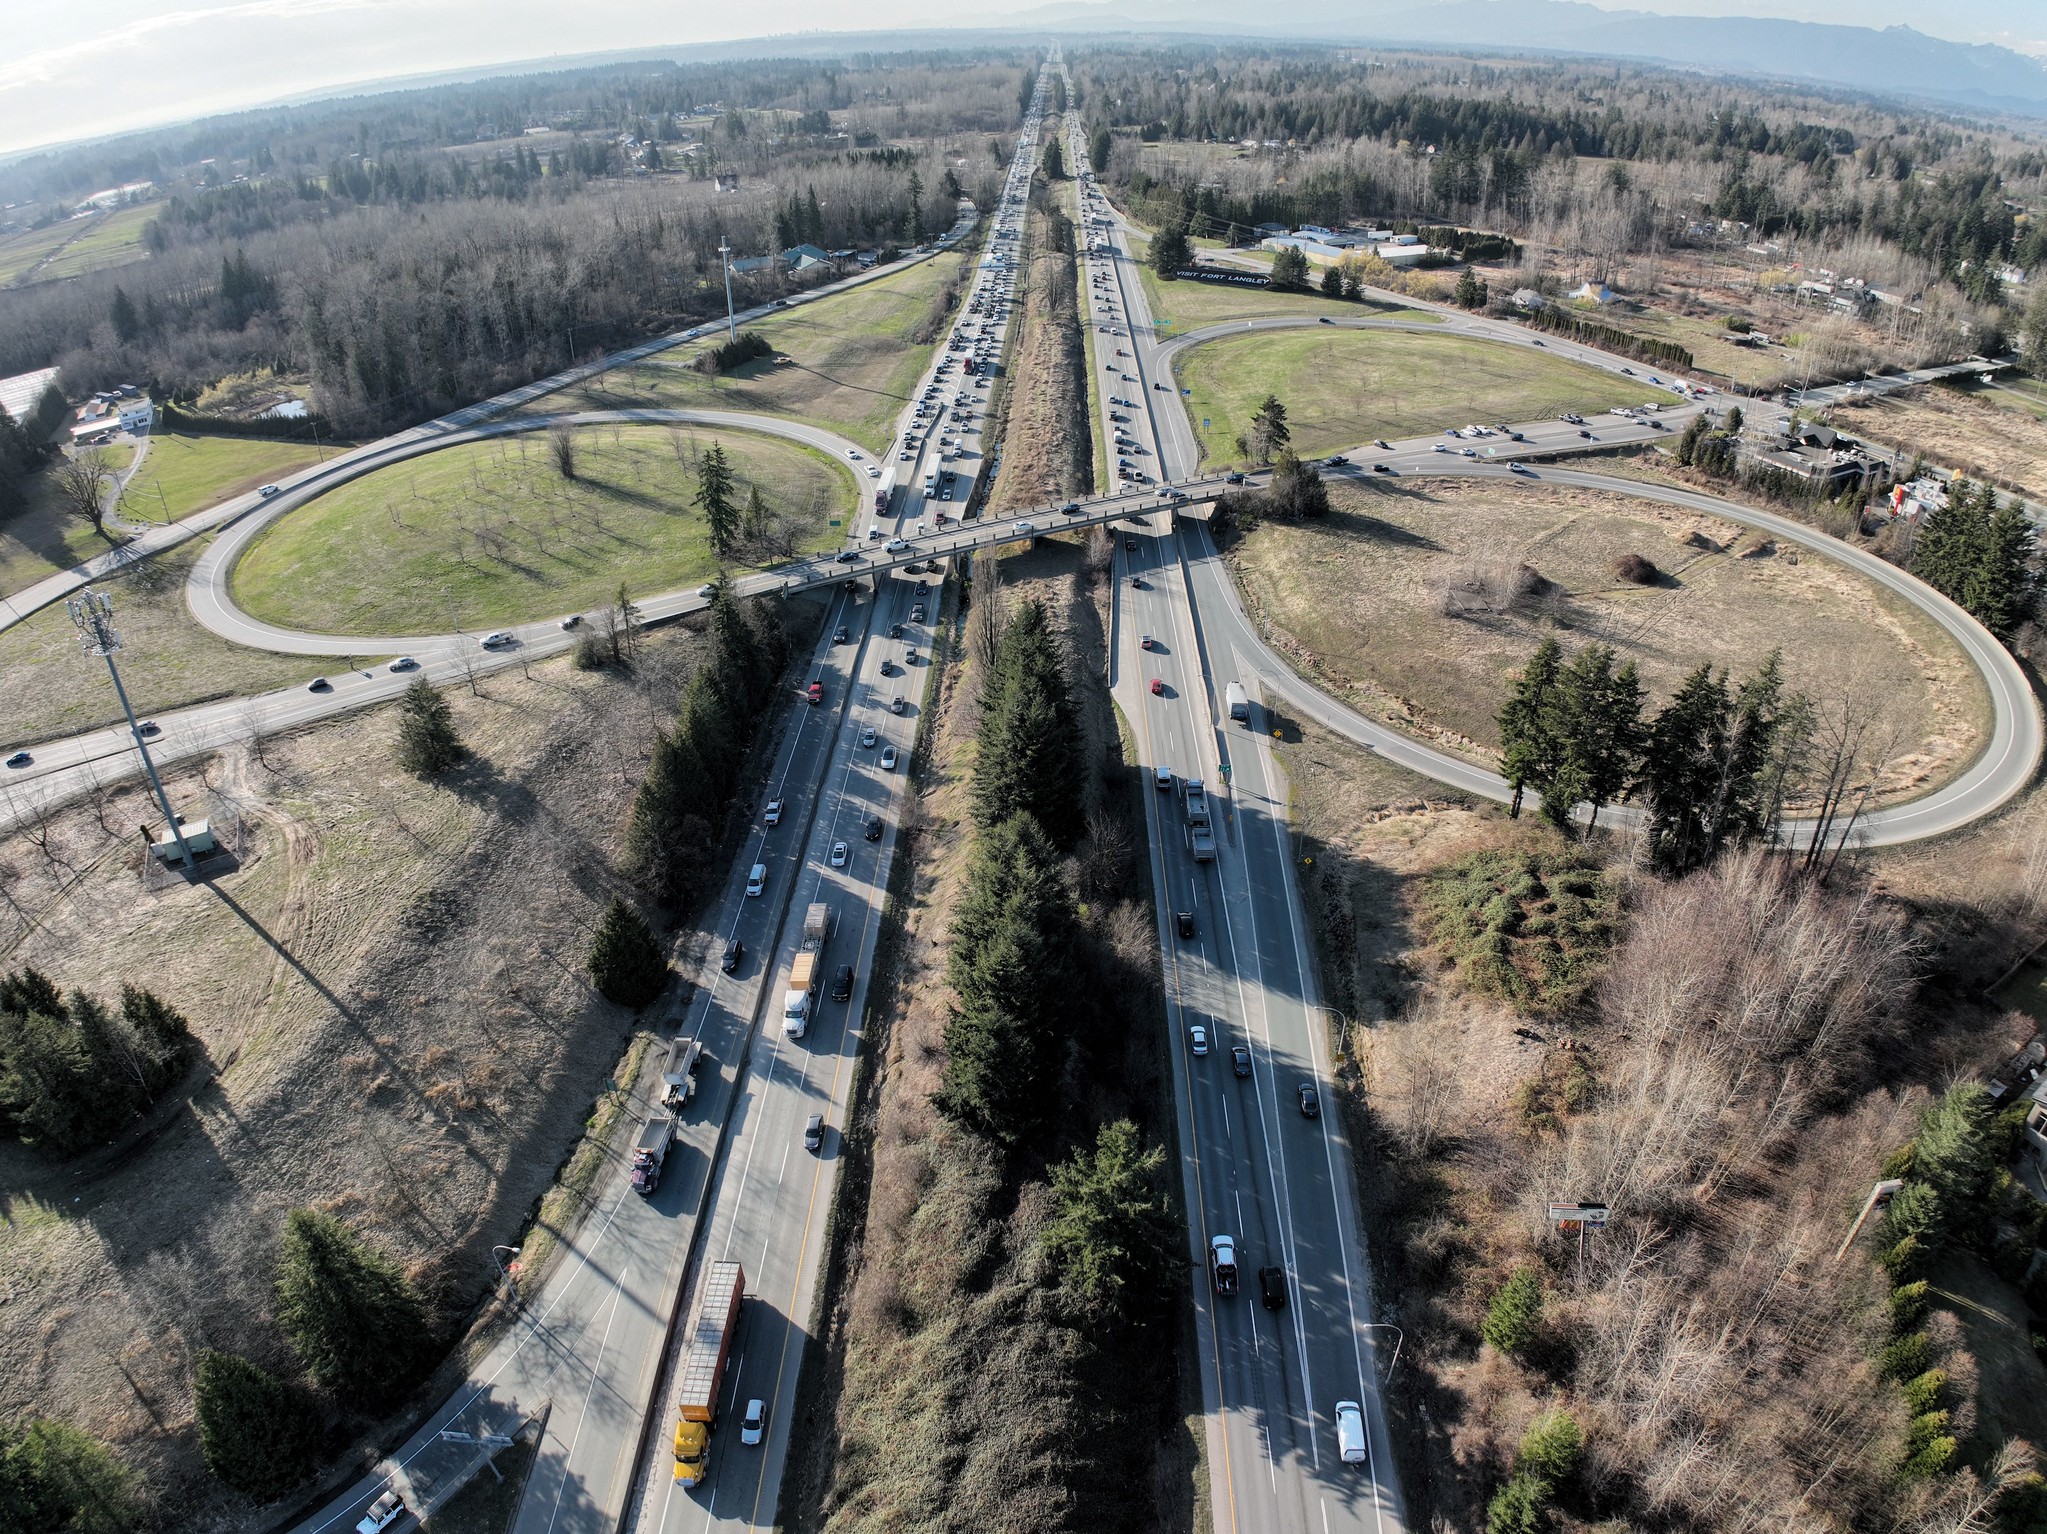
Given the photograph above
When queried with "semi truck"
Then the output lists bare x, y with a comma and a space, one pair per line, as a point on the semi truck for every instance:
1240, 703
799, 998
702, 1374
657, 1133
884, 490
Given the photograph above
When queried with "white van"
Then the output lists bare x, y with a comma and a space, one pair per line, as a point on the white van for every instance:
1350, 1433
757, 879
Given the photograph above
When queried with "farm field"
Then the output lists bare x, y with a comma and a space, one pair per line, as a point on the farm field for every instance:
490, 532
115, 239
851, 363
1341, 387
20, 253
1359, 599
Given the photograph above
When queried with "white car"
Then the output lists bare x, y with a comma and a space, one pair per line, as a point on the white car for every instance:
269, 490
404, 663
1350, 1433
381, 1514
838, 854
853, 453
897, 545
1023, 527
753, 1423
867, 736
1442, 447
888, 758
873, 472
708, 589
1197, 1039
772, 816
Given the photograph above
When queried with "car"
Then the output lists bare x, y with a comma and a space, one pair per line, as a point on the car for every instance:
1382, 444
1222, 1263
708, 589
403, 663
1442, 447
19, 759
1350, 1433
1023, 527
896, 545
1519, 468
381, 1514
269, 490
756, 879
813, 1132
1537, 341
1272, 1288
1183, 923
1584, 433
895, 631
1336, 461
1158, 386
1158, 687
1469, 452
1382, 468
1240, 1060
1147, 643
1129, 545
1629, 371
1233, 478
917, 613
841, 634
1310, 1100
496, 639
1162, 778
772, 815
1197, 1038
1137, 583
888, 758
839, 854
1325, 319
149, 727
845, 557
873, 831
910, 655
1070, 509
319, 684
867, 736
873, 472
728, 961
753, 1422
842, 983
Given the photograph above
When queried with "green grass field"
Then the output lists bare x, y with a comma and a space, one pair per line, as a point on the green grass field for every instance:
492, 528
851, 364
183, 474
115, 239
1192, 305
1342, 387
19, 253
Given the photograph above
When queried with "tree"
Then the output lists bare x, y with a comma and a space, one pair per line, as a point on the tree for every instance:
356, 1321
561, 447
1531, 753
715, 497
1112, 1235
1269, 431
755, 523
1515, 1312
1332, 282
257, 1434
1547, 1456
626, 960
1290, 269
1055, 159
72, 1072
2001, 588
1296, 489
1098, 146
1030, 758
1170, 250
1471, 291
1599, 726
427, 743
1715, 765
126, 322
55, 1479
82, 482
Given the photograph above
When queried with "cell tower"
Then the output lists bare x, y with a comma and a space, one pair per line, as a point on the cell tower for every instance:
94, 615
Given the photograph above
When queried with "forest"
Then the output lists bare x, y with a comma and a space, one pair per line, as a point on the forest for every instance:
415, 251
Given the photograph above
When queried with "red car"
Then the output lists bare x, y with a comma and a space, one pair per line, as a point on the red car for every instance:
1145, 643
1158, 687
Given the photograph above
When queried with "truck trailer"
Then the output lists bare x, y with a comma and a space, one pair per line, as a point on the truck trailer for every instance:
679, 1073
702, 1373
799, 997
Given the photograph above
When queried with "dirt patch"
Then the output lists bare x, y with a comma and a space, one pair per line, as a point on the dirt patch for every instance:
1376, 601
395, 1024
1047, 448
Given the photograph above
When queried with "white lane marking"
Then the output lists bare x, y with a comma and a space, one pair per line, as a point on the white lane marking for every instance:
583, 1416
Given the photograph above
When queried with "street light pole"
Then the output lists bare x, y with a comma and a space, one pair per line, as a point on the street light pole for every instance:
94, 615
511, 1278
731, 325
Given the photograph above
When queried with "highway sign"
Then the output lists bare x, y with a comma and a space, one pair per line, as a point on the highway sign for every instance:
1590, 1216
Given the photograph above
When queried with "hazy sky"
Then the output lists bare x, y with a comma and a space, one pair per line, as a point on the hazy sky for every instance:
69, 73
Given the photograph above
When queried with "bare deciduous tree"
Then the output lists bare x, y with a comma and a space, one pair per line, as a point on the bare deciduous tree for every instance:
82, 482
561, 447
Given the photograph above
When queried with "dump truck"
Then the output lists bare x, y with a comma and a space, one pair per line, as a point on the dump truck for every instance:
702, 1372
799, 997
657, 1133
679, 1073
1201, 841
1239, 702
1197, 803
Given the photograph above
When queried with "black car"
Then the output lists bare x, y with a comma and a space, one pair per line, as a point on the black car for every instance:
19, 759
1130, 545
848, 557
874, 828
1240, 1059
734, 952
1184, 920
1382, 468
1233, 478
895, 631
1272, 1288
1311, 1100
841, 634
842, 983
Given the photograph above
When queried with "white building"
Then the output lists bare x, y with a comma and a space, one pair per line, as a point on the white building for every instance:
18, 395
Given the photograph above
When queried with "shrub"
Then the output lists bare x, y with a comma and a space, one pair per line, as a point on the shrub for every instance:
1923, 1392
1636, 570
1908, 1306
749, 346
590, 654
1519, 1507
1905, 1357
1516, 1311
1550, 1448
1531, 927
1929, 1446
257, 1433
355, 1319
626, 960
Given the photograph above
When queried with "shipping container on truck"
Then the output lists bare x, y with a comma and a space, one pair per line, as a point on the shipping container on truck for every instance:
799, 997
703, 1369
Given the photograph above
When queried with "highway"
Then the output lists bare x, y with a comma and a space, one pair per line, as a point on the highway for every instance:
1253, 1166
592, 1348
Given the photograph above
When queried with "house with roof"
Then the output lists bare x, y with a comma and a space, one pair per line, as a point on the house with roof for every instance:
1592, 293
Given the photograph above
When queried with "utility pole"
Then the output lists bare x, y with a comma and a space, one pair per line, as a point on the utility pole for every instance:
731, 325
94, 615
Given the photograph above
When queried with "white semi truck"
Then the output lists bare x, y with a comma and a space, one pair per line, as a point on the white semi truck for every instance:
799, 997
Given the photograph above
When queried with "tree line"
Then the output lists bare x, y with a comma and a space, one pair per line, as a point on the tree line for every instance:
74, 1070
1711, 767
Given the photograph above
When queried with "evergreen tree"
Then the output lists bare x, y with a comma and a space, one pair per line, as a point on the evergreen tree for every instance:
1098, 149
72, 1072
626, 960
1290, 270
1682, 771
1531, 753
715, 496
1170, 249
708, 720
2003, 584
1296, 489
49, 1082
1269, 430
359, 1326
1471, 293
667, 837
1112, 1236
1688, 440
1599, 727
258, 1434
427, 742
1515, 1312
55, 1479
1946, 550
127, 323
754, 522
1332, 282
1030, 758
1055, 159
